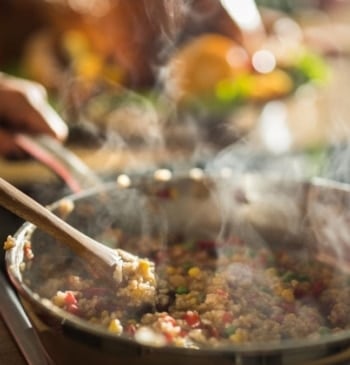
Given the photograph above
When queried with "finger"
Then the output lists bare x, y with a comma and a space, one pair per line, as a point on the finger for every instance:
44, 119
25, 105
41, 117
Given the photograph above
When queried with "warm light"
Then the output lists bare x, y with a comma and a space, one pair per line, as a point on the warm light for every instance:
163, 175
124, 181
264, 61
196, 173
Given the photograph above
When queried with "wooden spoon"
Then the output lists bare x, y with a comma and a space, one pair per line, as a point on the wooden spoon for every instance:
102, 261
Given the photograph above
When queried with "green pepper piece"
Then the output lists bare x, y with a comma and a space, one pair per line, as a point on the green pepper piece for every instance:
181, 290
230, 330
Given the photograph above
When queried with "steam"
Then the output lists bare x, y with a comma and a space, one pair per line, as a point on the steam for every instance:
243, 158
170, 16
274, 118
260, 196
152, 121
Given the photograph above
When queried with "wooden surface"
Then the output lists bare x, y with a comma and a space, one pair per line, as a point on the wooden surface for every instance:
102, 161
9, 352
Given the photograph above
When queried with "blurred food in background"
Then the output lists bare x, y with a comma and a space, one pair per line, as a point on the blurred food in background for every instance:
174, 72
123, 41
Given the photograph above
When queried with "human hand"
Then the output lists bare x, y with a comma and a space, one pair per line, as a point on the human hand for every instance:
24, 109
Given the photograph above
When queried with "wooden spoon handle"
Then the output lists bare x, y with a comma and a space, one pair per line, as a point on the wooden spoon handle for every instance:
27, 208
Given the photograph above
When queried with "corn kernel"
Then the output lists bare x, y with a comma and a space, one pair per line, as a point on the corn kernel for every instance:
143, 266
9, 243
144, 269
115, 326
59, 298
239, 336
194, 272
287, 294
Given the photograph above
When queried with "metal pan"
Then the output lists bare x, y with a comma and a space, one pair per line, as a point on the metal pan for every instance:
261, 209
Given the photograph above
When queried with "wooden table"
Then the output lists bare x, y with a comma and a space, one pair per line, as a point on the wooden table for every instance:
24, 347
9, 352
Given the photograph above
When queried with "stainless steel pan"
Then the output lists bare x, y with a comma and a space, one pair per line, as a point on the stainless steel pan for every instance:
303, 217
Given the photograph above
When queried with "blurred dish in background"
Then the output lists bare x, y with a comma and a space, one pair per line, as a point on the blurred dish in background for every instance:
187, 61
122, 41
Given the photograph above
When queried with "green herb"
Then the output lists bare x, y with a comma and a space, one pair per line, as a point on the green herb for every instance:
230, 330
181, 290
289, 276
303, 277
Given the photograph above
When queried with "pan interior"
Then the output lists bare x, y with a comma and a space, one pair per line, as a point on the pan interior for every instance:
236, 260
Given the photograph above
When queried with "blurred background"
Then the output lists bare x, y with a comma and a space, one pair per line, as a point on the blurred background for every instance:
185, 83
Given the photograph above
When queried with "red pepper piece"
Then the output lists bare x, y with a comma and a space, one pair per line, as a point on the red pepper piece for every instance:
169, 337
192, 319
206, 244
28, 253
70, 299
73, 309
